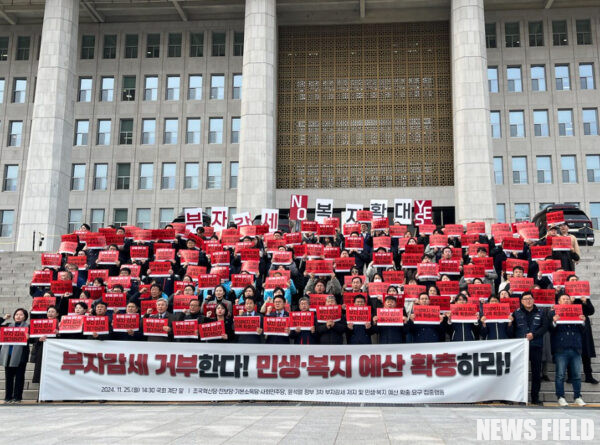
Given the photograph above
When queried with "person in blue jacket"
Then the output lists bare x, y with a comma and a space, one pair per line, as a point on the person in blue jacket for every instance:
390, 334
567, 342
359, 334
495, 330
278, 310
460, 331
426, 333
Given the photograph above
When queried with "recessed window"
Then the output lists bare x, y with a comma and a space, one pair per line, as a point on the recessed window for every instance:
110, 47
519, 169
512, 35
174, 49
536, 34
153, 46
559, 33
215, 132
544, 169
213, 179
104, 126
195, 87
218, 44
151, 88
193, 131
131, 46
11, 178
196, 44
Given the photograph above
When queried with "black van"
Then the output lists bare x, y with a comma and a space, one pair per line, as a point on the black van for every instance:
579, 223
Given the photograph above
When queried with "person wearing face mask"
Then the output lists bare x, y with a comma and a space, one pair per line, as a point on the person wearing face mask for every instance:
14, 359
38, 346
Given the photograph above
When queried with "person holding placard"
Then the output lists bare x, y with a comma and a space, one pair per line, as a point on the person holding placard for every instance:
130, 335
277, 310
161, 313
495, 330
250, 311
304, 336
320, 286
462, 331
101, 310
14, 359
331, 332
390, 334
566, 349
222, 314
38, 346
426, 333
359, 334
218, 296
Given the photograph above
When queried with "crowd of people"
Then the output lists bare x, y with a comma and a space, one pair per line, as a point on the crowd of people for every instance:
205, 276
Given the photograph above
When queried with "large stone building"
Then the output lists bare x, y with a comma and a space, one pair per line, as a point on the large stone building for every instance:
128, 111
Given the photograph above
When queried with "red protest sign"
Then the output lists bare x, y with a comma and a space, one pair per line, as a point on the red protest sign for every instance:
74, 301
382, 241
358, 314
69, 247
331, 252
438, 241
380, 223
487, 263
241, 280
348, 297
560, 243
496, 312
383, 259
115, 300
317, 300
211, 331
41, 278
393, 276
113, 238
377, 289
325, 231
220, 258
126, 322
514, 302
509, 265
412, 291
53, 260
138, 253
185, 329
350, 228
314, 250
442, 301
555, 218
464, 313
276, 326
208, 281
544, 297
182, 302
159, 269
97, 273
512, 244
476, 227
319, 267
93, 240
275, 282
569, 313
448, 288
397, 231
428, 271
411, 260
292, 239
108, 257
329, 313
449, 267
298, 207
560, 277
95, 324
61, 287
426, 229
578, 289
246, 325
70, 237
309, 226
530, 233
80, 261
40, 305
473, 248
43, 327
520, 285
454, 230
332, 221
195, 271
472, 271
302, 319
13, 335
250, 267
354, 243
480, 291
250, 255
426, 314
390, 317
124, 281
155, 326
364, 216
344, 264
281, 258
540, 252
189, 256
348, 280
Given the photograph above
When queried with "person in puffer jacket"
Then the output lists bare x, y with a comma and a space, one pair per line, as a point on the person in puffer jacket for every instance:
426, 333
494, 330
459, 331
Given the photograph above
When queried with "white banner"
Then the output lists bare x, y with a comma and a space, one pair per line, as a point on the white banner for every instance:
193, 218
453, 372
403, 211
270, 217
219, 217
323, 209
379, 208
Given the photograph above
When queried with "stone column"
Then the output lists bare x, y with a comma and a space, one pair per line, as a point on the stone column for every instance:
45, 198
256, 174
474, 189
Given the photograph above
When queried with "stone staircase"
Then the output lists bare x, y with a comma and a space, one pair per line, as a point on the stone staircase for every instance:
16, 269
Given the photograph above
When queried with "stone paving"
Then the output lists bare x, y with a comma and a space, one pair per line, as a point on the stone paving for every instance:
260, 423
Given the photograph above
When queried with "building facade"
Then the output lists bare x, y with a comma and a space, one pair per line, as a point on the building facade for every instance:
118, 114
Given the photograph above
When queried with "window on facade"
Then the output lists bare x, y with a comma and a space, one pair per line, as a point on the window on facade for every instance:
165, 216
151, 88
540, 123
107, 90
559, 33
492, 75
82, 129
569, 169
172, 88
78, 177
536, 34
519, 169
142, 218
152, 46
565, 122
23, 46
217, 86
126, 132
237, 86
146, 176
75, 219
174, 49
517, 125
100, 176
103, 132
128, 93
170, 133
3, 48
233, 175
15, 131
512, 35
85, 89
522, 212
169, 170
195, 87
193, 131
2, 83
87, 47
11, 178
110, 47
218, 44
544, 169
215, 130
191, 176
586, 76
196, 44
235, 130
501, 212
513, 76
538, 78
148, 131
213, 179
498, 171
490, 35
120, 217
592, 164
96, 219
590, 121
238, 44
131, 46
123, 176
595, 214
19, 91
584, 32
561, 74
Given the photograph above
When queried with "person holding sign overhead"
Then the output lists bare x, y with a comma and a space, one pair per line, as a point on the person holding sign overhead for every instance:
566, 348
14, 359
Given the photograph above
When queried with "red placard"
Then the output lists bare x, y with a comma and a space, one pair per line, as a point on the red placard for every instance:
126, 322
496, 312
578, 289
94, 291
476, 227
93, 240
530, 233
448, 288
138, 253
309, 226
382, 241
428, 271
53, 260
302, 319
555, 218
95, 324
292, 239
250, 267
539, 253
246, 325
358, 314
124, 281
41, 278
185, 329
449, 267
454, 230
331, 252
212, 331
473, 248
276, 326
68, 247
61, 287
281, 258
250, 255
560, 277
350, 228
390, 317
378, 289
241, 280
344, 264
329, 313
40, 305
195, 271
155, 326
348, 297
348, 280
319, 267
569, 313
160, 269
383, 259
317, 300
397, 231
70, 237
412, 291
275, 282
560, 243
464, 313
212, 246
115, 300
97, 273
438, 241
426, 229
113, 238
43, 327
411, 260
220, 258
208, 281
544, 297
182, 302
472, 271
514, 302
354, 243
364, 216
13, 335
108, 257
314, 250
189, 256
298, 206
229, 240
79, 260
520, 285
380, 224
512, 244
486, 261
426, 314
73, 302
393, 276
332, 221
480, 291
442, 301
71, 324
325, 231
510, 264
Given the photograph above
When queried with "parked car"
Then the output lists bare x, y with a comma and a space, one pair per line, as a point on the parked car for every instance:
579, 223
